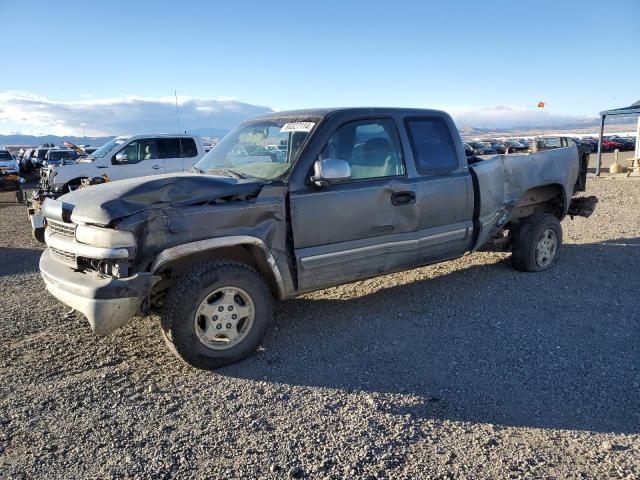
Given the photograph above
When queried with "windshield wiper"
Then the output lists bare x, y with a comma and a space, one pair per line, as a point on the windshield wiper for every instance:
226, 172
237, 174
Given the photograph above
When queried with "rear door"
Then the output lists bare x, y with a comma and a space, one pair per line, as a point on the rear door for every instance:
169, 152
365, 226
178, 153
445, 191
140, 159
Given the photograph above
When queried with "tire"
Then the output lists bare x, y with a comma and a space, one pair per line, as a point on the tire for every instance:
537, 243
38, 234
190, 336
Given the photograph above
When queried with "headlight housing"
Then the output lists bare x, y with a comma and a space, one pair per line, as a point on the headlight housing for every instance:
104, 237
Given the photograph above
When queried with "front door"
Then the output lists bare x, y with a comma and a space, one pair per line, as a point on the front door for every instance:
139, 158
363, 227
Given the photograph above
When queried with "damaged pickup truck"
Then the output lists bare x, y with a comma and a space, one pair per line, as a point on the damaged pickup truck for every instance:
293, 202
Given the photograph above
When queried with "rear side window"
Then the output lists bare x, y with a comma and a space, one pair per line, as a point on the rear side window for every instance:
189, 149
432, 145
170, 147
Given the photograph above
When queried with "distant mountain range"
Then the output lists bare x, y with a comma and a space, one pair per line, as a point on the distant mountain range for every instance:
585, 127
589, 125
33, 140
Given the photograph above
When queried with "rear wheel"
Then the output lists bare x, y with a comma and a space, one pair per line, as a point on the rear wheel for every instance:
217, 314
537, 243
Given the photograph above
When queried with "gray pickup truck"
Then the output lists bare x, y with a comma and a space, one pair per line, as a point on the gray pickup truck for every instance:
293, 202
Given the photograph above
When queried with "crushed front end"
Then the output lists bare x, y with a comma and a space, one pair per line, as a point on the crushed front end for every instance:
87, 268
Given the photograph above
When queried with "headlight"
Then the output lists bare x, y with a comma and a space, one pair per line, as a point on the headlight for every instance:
104, 237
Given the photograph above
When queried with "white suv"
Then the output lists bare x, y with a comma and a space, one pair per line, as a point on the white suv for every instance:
127, 157
120, 158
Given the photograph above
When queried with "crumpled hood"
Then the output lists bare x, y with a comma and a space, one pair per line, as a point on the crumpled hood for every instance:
104, 203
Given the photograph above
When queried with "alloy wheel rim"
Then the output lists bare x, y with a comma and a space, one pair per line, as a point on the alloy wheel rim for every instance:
546, 248
224, 318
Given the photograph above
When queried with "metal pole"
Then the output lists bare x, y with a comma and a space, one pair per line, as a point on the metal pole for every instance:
638, 139
600, 145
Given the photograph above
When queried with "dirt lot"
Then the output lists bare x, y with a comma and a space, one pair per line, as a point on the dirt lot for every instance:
466, 369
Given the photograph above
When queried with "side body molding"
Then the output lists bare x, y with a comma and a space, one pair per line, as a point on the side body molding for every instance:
187, 249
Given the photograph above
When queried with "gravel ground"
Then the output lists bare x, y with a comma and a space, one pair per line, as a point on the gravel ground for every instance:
465, 369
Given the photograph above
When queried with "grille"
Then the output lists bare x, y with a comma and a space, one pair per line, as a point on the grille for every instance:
66, 229
65, 257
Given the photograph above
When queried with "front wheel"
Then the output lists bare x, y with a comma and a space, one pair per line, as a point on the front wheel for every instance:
536, 243
38, 234
217, 313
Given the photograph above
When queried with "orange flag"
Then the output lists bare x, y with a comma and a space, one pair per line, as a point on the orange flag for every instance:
540, 104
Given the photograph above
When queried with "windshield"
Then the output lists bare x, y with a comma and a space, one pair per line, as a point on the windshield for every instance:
58, 155
107, 147
264, 149
8, 164
5, 156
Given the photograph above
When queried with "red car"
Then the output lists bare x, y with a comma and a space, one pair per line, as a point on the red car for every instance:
609, 145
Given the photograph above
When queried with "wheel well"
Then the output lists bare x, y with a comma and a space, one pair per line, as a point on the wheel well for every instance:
73, 181
251, 255
542, 199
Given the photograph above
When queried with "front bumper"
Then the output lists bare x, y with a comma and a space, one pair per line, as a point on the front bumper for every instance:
107, 303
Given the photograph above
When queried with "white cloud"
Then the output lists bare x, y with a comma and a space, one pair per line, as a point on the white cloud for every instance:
34, 114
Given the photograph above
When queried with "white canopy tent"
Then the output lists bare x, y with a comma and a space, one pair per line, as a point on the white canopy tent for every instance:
630, 110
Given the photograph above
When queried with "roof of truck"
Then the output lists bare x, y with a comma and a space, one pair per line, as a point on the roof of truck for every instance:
324, 112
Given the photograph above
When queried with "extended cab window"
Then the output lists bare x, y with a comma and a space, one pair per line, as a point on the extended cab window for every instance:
189, 149
170, 147
432, 144
135, 152
371, 147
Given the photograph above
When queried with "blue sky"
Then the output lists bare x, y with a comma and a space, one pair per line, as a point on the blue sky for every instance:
464, 56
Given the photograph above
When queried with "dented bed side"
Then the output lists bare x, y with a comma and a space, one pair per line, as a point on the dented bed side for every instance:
502, 181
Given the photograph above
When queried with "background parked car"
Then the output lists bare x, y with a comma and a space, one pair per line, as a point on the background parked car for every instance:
515, 146
483, 148
60, 156
499, 146
89, 150
25, 160
10, 180
38, 157
469, 151
625, 143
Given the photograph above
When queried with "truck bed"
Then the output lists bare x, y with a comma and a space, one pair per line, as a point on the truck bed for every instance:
501, 181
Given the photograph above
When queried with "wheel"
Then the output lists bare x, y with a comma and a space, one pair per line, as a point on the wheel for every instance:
536, 243
38, 234
217, 313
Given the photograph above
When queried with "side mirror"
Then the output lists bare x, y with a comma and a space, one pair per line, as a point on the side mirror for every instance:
121, 157
330, 170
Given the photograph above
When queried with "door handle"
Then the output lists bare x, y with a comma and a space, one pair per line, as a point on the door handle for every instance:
403, 198
156, 167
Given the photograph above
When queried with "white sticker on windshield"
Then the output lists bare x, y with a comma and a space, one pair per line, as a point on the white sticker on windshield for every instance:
297, 127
